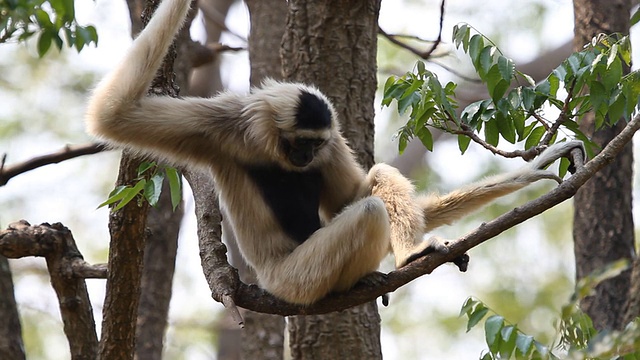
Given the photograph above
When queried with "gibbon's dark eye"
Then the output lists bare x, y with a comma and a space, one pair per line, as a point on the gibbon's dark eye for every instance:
309, 143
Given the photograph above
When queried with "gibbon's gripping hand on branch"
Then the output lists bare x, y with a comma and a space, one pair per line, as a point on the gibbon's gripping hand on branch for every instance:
305, 215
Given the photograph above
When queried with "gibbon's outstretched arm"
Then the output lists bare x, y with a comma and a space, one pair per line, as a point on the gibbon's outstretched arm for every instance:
305, 215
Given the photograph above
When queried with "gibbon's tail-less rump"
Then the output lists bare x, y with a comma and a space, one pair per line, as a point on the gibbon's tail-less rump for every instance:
305, 215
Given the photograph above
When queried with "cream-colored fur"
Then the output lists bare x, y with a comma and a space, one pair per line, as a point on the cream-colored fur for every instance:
363, 216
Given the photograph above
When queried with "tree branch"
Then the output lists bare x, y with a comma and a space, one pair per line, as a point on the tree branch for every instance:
253, 298
422, 54
66, 153
56, 244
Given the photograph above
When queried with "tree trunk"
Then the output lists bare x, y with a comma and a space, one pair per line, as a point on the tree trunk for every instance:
263, 335
11, 345
332, 44
126, 249
603, 225
157, 276
128, 235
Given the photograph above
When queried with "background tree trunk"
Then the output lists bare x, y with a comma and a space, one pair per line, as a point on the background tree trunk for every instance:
333, 44
263, 336
603, 224
11, 345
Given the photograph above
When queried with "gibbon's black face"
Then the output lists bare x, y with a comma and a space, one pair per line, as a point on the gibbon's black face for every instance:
301, 150
312, 130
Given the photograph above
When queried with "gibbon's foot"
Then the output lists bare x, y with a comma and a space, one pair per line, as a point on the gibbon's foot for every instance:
438, 244
462, 262
376, 278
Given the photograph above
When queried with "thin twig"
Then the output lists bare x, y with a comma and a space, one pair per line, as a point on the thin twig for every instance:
66, 153
422, 54
527, 154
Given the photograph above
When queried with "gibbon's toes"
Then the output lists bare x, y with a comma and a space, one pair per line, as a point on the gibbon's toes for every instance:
433, 244
375, 278
462, 262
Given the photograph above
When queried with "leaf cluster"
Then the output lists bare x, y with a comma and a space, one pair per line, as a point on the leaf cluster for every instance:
577, 337
593, 79
148, 186
22, 19
505, 340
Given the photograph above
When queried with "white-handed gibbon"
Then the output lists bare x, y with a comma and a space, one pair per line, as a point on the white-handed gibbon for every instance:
306, 216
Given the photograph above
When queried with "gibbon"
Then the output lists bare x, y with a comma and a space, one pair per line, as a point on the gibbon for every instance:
306, 216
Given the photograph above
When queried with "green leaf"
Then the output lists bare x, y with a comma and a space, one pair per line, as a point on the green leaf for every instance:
476, 44
496, 84
463, 143
477, 315
613, 75
598, 99
508, 343
616, 109
144, 166
523, 343
491, 133
117, 194
484, 61
528, 98
42, 17
425, 137
507, 67
468, 305
44, 42
534, 138
175, 186
635, 17
492, 328
506, 128
131, 194
153, 189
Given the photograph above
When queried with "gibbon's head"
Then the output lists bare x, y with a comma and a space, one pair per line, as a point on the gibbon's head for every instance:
295, 122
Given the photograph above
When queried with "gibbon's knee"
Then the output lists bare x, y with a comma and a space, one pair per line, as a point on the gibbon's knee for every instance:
334, 258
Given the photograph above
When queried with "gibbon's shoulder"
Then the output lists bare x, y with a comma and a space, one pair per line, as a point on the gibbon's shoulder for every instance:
296, 105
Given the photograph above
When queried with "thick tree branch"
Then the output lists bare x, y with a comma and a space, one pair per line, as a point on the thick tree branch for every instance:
56, 244
66, 153
253, 298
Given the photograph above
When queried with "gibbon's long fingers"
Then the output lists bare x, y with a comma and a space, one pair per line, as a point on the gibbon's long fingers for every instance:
334, 258
132, 77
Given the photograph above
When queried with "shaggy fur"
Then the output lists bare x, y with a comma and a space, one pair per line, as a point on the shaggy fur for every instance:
247, 141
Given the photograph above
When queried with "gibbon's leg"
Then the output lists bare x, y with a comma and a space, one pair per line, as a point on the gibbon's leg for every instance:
334, 258
406, 220
445, 209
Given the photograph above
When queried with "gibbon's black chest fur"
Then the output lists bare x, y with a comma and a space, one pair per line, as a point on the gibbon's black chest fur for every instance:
294, 198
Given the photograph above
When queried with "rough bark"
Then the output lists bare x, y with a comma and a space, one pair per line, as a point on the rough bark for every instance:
56, 244
11, 345
126, 251
157, 276
603, 224
332, 44
128, 231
